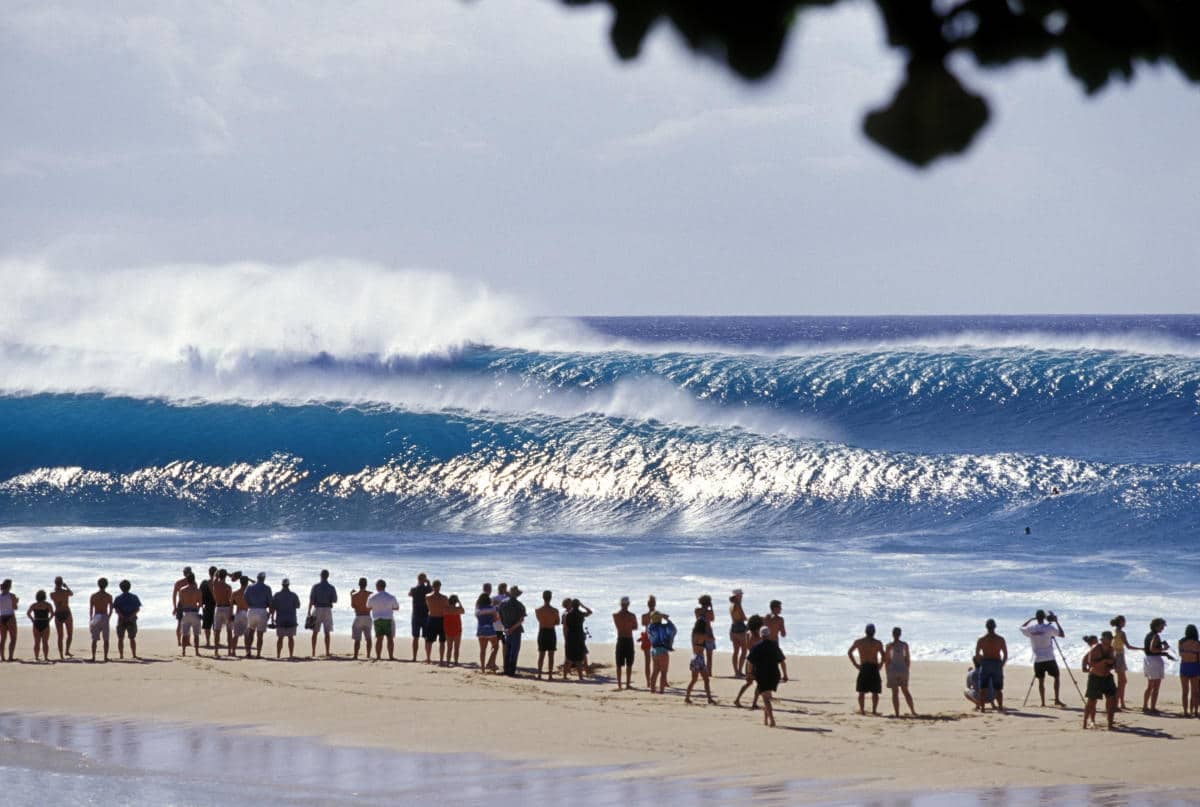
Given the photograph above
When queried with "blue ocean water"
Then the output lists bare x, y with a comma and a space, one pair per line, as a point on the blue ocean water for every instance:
878, 468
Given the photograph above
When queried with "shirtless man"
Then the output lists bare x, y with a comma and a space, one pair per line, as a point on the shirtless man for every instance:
190, 601
626, 622
651, 607
240, 614
179, 584
547, 639
99, 612
222, 594
870, 656
437, 604
61, 597
774, 622
992, 651
361, 629
1098, 664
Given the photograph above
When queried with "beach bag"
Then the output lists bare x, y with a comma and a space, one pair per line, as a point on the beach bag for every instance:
310, 623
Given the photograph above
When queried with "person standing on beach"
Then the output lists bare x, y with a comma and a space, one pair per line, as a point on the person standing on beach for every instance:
897, 662
321, 599
626, 623
383, 616
651, 605
63, 620
512, 614
40, 614
774, 621
1041, 637
452, 623
99, 614
992, 652
361, 629
1098, 665
1120, 664
697, 665
126, 606
258, 605
662, 635
705, 611
285, 606
765, 659
436, 605
222, 596
179, 584
485, 631
575, 637
241, 615
8, 621
209, 605
754, 626
420, 610
190, 601
738, 636
870, 654
1152, 665
1189, 671
547, 639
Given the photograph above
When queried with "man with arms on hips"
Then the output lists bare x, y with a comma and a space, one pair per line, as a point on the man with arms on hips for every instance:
126, 606
870, 655
190, 602
547, 639
63, 620
240, 614
320, 607
258, 605
222, 595
99, 613
436, 605
1041, 637
179, 584
420, 610
383, 616
361, 629
512, 613
992, 652
285, 606
626, 622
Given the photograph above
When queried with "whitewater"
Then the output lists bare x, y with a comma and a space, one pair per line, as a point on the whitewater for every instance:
922, 471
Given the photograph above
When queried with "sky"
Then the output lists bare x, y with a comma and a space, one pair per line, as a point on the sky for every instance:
502, 143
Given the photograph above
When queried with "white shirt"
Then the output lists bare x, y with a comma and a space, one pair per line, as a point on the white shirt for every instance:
1042, 638
382, 605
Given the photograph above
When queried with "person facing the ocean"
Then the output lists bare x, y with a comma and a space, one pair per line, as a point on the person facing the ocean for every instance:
452, 623
40, 614
190, 601
208, 612
662, 637
1121, 644
1152, 665
64, 622
436, 605
992, 652
126, 606
258, 604
321, 599
1041, 637
99, 614
383, 609
870, 655
774, 621
485, 630
420, 610
897, 662
179, 584
754, 626
575, 638
222, 595
697, 665
705, 611
626, 623
738, 636
1098, 665
241, 632
8, 621
765, 658
1189, 671
285, 607
361, 627
512, 614
644, 639
547, 639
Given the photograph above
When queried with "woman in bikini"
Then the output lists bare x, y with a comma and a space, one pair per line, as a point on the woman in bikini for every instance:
1189, 671
452, 625
705, 612
40, 613
737, 632
1156, 650
661, 633
485, 615
644, 639
1120, 644
697, 666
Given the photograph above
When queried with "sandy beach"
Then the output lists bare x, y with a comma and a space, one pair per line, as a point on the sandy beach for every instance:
820, 738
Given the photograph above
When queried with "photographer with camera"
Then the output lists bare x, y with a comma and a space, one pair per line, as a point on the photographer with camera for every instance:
1041, 637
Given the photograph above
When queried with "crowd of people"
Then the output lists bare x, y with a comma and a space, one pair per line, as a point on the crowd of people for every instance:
235, 611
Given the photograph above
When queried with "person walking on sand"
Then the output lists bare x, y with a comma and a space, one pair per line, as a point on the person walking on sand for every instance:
1041, 637
1098, 665
774, 621
8, 621
1121, 643
575, 637
420, 610
208, 611
897, 662
64, 622
452, 623
361, 627
992, 652
644, 639
383, 616
697, 665
40, 614
1189, 671
258, 605
222, 596
190, 601
1152, 665
436, 605
179, 584
241, 615
626, 622
512, 614
321, 599
765, 658
870, 655
99, 614
662, 637
485, 631
126, 606
705, 611
754, 626
738, 636
547, 639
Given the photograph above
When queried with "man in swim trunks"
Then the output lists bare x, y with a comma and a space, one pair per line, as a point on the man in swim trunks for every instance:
870, 655
8, 622
126, 607
209, 610
190, 602
992, 651
179, 584
240, 615
321, 599
436, 606
626, 622
63, 621
547, 639
1041, 637
99, 612
383, 614
1099, 665
258, 598
285, 606
361, 628
420, 610
778, 627
222, 596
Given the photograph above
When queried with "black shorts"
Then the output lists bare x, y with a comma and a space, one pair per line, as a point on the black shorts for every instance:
868, 679
206, 616
1041, 668
1101, 687
435, 628
625, 651
420, 622
547, 640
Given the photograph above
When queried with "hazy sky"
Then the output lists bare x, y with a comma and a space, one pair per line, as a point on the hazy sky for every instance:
502, 141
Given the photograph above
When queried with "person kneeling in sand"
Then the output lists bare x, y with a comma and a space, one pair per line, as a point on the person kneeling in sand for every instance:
1098, 664
870, 655
896, 662
973, 692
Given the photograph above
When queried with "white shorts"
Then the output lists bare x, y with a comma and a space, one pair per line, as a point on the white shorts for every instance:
323, 618
222, 618
239, 624
256, 620
1152, 666
99, 627
361, 629
191, 622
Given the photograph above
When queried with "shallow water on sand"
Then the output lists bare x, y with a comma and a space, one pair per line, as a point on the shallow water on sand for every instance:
109, 762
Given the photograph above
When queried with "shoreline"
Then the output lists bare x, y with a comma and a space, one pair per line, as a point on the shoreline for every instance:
820, 740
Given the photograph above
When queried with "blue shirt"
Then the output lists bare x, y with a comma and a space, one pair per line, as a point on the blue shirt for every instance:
286, 603
126, 603
323, 595
258, 595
